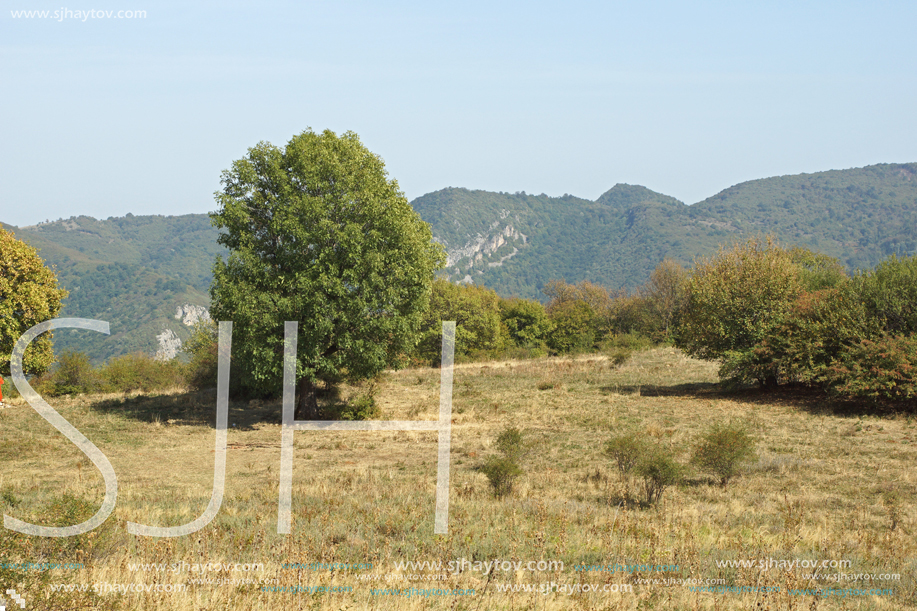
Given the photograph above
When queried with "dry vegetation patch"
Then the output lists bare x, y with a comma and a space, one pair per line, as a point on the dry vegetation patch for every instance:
828, 484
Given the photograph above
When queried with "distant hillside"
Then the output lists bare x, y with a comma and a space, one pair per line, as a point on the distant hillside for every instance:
859, 216
134, 272
515, 243
137, 271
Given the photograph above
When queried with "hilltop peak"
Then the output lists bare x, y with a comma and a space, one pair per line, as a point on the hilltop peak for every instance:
624, 196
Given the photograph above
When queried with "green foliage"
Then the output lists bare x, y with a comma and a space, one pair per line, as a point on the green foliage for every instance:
653, 463
503, 470
318, 234
138, 371
666, 292
735, 300
203, 358
512, 444
574, 330
722, 450
626, 450
29, 294
74, 374
621, 347
883, 369
526, 322
817, 271
889, 293
820, 325
636, 314
659, 471
476, 312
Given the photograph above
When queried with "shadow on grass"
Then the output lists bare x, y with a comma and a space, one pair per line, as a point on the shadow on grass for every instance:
196, 408
810, 399
698, 389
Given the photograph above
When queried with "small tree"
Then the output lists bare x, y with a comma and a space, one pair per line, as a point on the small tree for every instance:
659, 470
29, 294
526, 321
666, 292
735, 300
626, 451
722, 450
476, 312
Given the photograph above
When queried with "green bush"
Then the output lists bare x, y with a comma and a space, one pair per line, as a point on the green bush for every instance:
203, 358
626, 451
511, 443
502, 470
73, 374
818, 328
889, 293
620, 347
722, 450
735, 300
142, 372
361, 407
884, 369
659, 470
526, 323
478, 328
574, 328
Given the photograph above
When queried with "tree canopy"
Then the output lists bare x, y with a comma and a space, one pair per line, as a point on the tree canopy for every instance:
29, 294
318, 234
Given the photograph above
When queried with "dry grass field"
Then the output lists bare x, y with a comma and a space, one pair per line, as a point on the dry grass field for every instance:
829, 485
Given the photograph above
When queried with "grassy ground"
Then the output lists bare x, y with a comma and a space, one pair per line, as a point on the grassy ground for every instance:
829, 484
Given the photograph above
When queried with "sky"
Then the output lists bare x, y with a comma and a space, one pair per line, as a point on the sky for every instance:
104, 116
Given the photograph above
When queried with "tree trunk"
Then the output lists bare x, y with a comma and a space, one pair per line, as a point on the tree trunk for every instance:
769, 382
306, 402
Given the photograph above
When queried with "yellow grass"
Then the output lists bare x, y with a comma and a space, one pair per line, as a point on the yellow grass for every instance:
822, 488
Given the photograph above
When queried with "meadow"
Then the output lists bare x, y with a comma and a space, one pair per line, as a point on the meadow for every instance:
829, 484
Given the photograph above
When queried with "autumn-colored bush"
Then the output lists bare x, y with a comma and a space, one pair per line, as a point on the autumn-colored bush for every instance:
881, 369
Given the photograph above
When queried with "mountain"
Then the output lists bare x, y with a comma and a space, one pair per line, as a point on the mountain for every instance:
149, 275
515, 243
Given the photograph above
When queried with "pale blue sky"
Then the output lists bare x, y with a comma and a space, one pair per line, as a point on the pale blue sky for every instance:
109, 116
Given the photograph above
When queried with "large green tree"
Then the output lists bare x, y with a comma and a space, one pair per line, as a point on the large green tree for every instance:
318, 234
29, 294
737, 298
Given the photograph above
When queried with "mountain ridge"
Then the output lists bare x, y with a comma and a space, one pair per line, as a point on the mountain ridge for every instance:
137, 271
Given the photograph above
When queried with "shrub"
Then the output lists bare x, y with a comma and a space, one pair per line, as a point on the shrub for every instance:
574, 327
203, 358
889, 293
620, 347
736, 299
659, 470
881, 369
140, 371
74, 374
626, 451
361, 407
666, 292
722, 449
476, 312
511, 444
502, 470
526, 322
